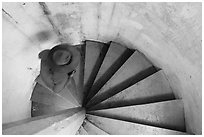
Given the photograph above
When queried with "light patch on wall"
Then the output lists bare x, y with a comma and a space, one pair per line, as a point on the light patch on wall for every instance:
89, 20
132, 24
188, 11
69, 26
149, 40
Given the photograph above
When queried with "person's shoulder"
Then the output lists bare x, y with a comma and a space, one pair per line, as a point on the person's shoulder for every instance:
43, 54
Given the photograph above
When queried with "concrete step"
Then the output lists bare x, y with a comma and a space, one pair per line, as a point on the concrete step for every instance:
38, 109
43, 95
114, 52
167, 114
62, 122
69, 126
79, 75
95, 53
114, 59
120, 87
81, 131
126, 76
92, 129
67, 93
72, 89
152, 89
77, 133
119, 127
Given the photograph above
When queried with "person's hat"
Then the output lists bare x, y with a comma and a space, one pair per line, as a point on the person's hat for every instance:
63, 58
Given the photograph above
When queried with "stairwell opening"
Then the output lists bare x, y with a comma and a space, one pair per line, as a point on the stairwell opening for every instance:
163, 37
97, 64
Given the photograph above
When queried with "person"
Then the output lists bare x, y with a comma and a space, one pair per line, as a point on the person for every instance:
58, 66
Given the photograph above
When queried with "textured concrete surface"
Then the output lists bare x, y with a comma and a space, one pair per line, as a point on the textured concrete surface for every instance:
151, 89
81, 131
115, 57
135, 64
95, 54
50, 124
92, 129
114, 52
45, 96
39, 109
167, 114
67, 126
118, 127
79, 75
74, 92
93, 51
169, 34
68, 93
132, 66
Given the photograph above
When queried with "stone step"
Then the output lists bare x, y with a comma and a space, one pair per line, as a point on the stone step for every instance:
167, 114
43, 95
79, 75
69, 126
92, 129
67, 93
62, 122
74, 93
120, 87
114, 52
119, 127
81, 131
94, 56
135, 64
38, 109
154, 88
114, 59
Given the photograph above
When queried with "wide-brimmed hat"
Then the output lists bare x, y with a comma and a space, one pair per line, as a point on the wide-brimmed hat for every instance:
61, 57
70, 65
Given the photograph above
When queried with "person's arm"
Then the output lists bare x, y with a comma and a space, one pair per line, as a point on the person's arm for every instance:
60, 81
45, 71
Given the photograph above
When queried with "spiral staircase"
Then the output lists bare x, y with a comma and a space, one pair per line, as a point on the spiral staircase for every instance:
114, 91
